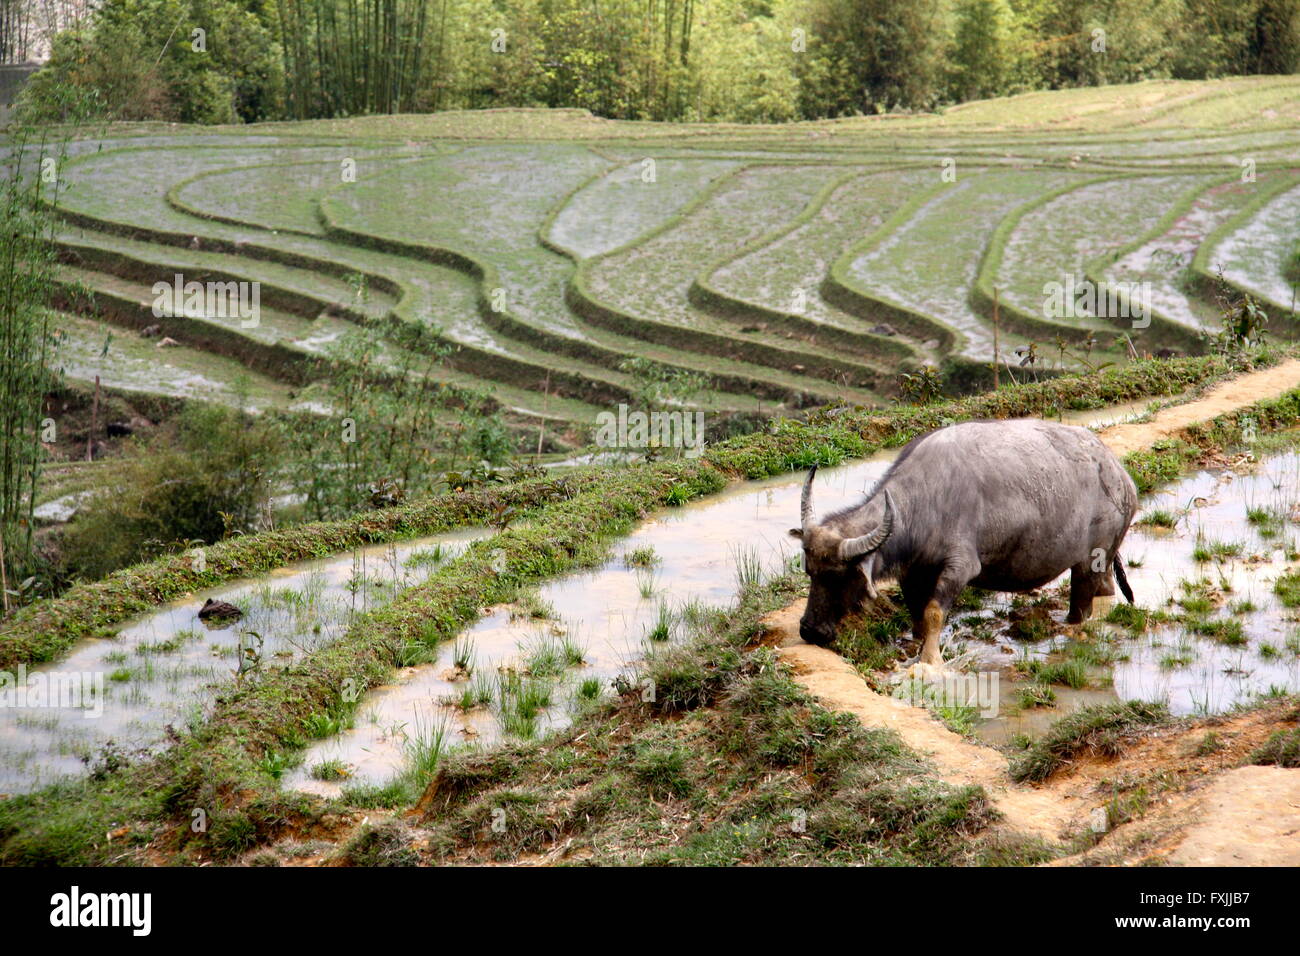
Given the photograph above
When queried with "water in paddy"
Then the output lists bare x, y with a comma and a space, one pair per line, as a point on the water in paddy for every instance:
165, 668
168, 666
609, 612
1169, 662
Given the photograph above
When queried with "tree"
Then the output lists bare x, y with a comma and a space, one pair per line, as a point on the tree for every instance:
868, 56
986, 49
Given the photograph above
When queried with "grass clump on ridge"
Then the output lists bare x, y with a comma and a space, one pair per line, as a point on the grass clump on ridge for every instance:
728, 762
1102, 729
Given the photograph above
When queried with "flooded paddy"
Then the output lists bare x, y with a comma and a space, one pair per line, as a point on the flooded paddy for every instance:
164, 669
1203, 561
524, 668
680, 560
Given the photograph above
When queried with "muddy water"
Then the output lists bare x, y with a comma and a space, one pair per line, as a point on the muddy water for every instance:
610, 612
1192, 674
165, 668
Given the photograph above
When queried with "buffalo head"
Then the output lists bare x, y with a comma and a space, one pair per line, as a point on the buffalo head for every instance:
839, 568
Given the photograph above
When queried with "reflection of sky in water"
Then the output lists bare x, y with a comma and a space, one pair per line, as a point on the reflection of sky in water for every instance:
606, 613
604, 610
165, 668
1219, 676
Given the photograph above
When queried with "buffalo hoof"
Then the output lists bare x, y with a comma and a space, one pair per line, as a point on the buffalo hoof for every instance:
926, 673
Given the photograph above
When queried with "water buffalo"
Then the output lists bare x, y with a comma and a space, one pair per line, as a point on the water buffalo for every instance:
1002, 505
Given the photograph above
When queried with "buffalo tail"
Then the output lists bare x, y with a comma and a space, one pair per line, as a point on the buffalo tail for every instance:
1121, 578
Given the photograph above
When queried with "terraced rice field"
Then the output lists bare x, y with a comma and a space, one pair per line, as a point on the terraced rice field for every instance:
787, 265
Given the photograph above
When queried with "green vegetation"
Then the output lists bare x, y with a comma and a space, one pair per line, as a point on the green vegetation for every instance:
1287, 589
703, 60
801, 783
1102, 729
1282, 749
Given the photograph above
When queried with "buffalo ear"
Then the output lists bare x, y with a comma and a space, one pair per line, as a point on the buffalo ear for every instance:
796, 533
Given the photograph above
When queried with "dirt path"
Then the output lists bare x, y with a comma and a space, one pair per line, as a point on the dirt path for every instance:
1247, 816
838, 686
1229, 396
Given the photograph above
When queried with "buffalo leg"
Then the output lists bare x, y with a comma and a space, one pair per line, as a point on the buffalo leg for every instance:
1085, 584
929, 605
931, 626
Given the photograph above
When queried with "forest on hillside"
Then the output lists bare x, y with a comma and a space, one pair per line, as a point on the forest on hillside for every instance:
222, 61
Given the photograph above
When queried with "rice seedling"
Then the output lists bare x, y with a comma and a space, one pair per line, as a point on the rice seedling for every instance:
329, 770
1093, 654
529, 605
1071, 673
1035, 695
644, 557
425, 557
544, 657
574, 653
1224, 630
1128, 616
646, 582
462, 655
424, 748
749, 568
662, 628
1287, 589
482, 689
519, 703
1158, 518
324, 724
1208, 549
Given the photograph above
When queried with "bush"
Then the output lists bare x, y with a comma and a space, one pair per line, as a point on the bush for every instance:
141, 59
211, 482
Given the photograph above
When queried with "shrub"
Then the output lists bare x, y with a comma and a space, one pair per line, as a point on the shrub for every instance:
211, 482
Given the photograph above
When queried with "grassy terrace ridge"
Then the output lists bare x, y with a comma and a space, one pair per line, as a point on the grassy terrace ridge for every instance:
1163, 332
757, 353
183, 372
284, 346
572, 383
673, 235
586, 330
291, 211
1204, 266
221, 767
706, 291
1187, 223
